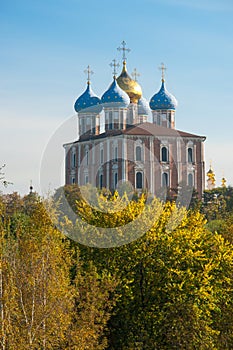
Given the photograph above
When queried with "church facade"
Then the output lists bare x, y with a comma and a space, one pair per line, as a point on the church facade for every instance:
138, 143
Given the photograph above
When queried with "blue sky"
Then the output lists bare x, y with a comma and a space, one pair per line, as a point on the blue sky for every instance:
46, 45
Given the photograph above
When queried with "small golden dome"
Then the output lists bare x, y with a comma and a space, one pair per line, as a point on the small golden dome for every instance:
211, 175
223, 182
130, 86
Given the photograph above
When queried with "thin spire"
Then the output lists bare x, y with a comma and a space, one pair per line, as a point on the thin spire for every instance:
114, 65
211, 164
135, 74
31, 187
89, 72
124, 50
223, 182
163, 68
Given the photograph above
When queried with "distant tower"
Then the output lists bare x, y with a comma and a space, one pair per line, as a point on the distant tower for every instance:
88, 107
131, 87
115, 102
210, 179
163, 105
223, 182
143, 104
31, 187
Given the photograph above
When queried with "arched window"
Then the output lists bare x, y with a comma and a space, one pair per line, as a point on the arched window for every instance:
190, 180
115, 180
87, 157
86, 179
165, 179
164, 154
73, 161
73, 180
101, 156
116, 154
139, 179
190, 155
138, 153
101, 181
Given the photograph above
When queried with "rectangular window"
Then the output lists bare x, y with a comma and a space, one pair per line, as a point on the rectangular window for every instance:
158, 119
116, 120
110, 121
73, 159
165, 180
82, 131
101, 181
121, 120
101, 156
138, 153
116, 154
190, 180
115, 180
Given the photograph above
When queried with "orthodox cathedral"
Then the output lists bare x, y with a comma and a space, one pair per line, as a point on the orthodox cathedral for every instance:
137, 143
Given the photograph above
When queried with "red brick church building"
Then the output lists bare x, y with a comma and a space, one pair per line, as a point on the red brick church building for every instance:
149, 155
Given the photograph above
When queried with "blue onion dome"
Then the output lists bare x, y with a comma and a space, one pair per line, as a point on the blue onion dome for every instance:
143, 106
88, 102
115, 96
163, 99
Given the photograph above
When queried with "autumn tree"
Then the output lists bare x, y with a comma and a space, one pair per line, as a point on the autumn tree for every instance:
174, 288
48, 299
40, 265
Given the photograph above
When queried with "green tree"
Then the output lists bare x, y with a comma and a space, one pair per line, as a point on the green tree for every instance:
217, 203
174, 284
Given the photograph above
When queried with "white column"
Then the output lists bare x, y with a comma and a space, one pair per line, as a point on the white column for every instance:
92, 172
123, 159
179, 168
152, 172
79, 162
107, 167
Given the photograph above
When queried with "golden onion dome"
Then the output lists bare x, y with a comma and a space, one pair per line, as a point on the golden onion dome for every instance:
130, 86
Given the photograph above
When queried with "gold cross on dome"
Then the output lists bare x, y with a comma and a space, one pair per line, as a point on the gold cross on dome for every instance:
163, 68
135, 74
89, 72
123, 49
115, 65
